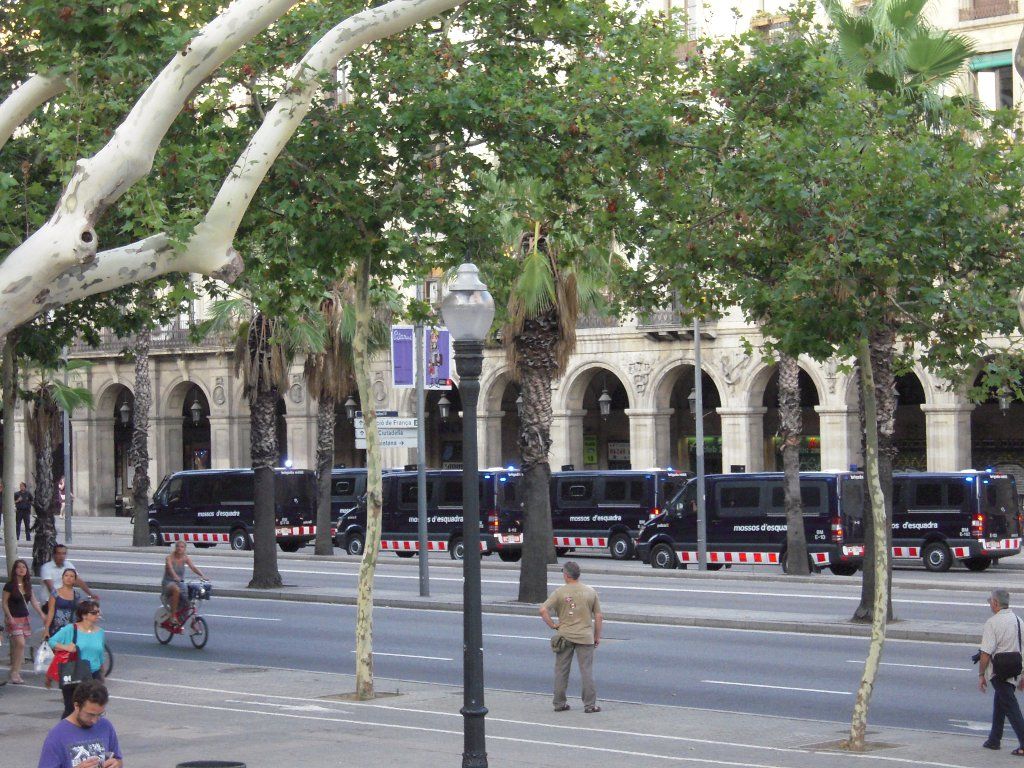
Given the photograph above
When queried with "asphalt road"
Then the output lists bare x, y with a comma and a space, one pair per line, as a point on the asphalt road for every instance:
922, 685
947, 597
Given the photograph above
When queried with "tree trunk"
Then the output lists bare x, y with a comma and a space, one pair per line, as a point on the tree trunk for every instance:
880, 535
9, 382
325, 417
790, 427
374, 487
138, 453
263, 449
46, 500
535, 367
883, 350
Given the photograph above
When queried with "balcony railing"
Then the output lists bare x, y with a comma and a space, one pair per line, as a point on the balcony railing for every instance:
595, 320
665, 324
174, 337
971, 10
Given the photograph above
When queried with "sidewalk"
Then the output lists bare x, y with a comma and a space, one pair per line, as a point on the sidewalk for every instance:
195, 710
114, 534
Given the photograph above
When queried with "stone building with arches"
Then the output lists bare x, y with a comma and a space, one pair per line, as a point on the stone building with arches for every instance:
200, 419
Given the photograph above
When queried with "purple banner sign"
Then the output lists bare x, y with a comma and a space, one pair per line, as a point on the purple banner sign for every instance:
403, 374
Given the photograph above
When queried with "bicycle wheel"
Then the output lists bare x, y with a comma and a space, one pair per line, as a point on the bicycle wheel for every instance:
198, 633
163, 634
108, 661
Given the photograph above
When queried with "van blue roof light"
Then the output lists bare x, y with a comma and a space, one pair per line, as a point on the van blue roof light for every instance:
969, 479
511, 468
502, 479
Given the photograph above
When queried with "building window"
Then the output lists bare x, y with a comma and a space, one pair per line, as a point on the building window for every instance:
986, 9
992, 79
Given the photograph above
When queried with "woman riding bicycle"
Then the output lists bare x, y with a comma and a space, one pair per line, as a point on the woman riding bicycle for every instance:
174, 576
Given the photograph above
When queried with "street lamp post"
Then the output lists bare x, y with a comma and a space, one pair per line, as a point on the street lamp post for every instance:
468, 311
696, 402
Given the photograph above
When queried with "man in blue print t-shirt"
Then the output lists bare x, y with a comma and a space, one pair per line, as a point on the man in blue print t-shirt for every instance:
84, 739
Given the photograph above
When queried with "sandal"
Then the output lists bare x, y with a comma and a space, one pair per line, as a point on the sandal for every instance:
1019, 752
592, 710
563, 708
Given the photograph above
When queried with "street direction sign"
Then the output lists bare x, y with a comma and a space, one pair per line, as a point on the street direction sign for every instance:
387, 432
390, 442
388, 422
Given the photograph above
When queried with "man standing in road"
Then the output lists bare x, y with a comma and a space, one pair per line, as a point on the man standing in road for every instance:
83, 739
579, 622
52, 571
23, 512
1002, 634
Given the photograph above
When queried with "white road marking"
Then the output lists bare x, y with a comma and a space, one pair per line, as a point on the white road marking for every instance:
563, 745
912, 666
778, 687
133, 634
291, 707
971, 725
409, 656
516, 637
247, 618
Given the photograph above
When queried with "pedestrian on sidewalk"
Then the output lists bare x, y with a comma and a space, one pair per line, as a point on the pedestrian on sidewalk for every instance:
1002, 634
23, 512
579, 625
85, 738
17, 595
52, 572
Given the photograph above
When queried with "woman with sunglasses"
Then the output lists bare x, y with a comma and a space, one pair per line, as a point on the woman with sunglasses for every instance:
17, 596
86, 637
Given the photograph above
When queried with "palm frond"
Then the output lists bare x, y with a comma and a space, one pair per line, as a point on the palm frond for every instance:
535, 288
225, 315
856, 36
934, 58
902, 15
69, 398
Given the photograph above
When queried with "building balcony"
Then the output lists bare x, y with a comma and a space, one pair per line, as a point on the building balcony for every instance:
666, 325
173, 337
972, 10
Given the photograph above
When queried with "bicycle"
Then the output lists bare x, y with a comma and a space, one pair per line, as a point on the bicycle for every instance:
166, 626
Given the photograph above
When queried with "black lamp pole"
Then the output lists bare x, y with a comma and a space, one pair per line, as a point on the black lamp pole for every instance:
468, 311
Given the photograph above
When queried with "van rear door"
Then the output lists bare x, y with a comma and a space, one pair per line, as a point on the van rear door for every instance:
852, 501
998, 502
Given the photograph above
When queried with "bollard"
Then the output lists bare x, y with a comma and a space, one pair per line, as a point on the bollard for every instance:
211, 764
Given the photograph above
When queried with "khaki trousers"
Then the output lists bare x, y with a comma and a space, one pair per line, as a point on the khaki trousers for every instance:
585, 661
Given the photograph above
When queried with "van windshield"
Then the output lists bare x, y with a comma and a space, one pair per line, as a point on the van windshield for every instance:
853, 490
999, 495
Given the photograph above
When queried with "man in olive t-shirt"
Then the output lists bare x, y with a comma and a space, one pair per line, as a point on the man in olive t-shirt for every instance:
579, 621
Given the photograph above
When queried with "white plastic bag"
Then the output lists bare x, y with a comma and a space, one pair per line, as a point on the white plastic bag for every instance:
44, 655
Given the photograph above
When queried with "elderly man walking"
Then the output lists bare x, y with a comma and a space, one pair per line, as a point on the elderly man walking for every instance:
579, 624
1002, 635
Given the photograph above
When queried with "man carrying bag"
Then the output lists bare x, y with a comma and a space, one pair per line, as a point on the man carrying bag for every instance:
1000, 660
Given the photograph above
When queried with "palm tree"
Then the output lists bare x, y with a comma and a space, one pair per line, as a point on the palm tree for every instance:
264, 350
43, 421
790, 428
138, 452
539, 335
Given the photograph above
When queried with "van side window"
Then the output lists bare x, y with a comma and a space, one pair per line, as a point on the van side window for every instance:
344, 486
811, 500
451, 493
927, 495
407, 493
173, 492
237, 488
575, 490
507, 496
736, 500
203, 490
614, 490
955, 495
637, 493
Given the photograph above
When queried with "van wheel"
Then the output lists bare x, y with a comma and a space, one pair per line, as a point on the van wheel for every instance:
405, 554
562, 551
715, 566
511, 557
621, 547
203, 545
291, 546
843, 569
456, 550
937, 558
155, 539
663, 556
977, 564
240, 540
354, 545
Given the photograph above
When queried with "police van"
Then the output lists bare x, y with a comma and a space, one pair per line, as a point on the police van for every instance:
746, 522
603, 509
215, 506
971, 516
348, 487
500, 514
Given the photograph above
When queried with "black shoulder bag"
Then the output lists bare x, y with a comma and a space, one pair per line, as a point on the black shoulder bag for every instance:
75, 670
1008, 664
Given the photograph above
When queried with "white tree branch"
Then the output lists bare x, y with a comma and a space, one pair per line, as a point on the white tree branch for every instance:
210, 250
68, 240
25, 99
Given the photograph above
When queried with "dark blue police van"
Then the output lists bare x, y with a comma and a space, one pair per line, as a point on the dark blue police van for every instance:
746, 522
603, 509
215, 506
501, 515
939, 517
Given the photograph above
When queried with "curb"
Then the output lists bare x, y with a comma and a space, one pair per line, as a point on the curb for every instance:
847, 629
